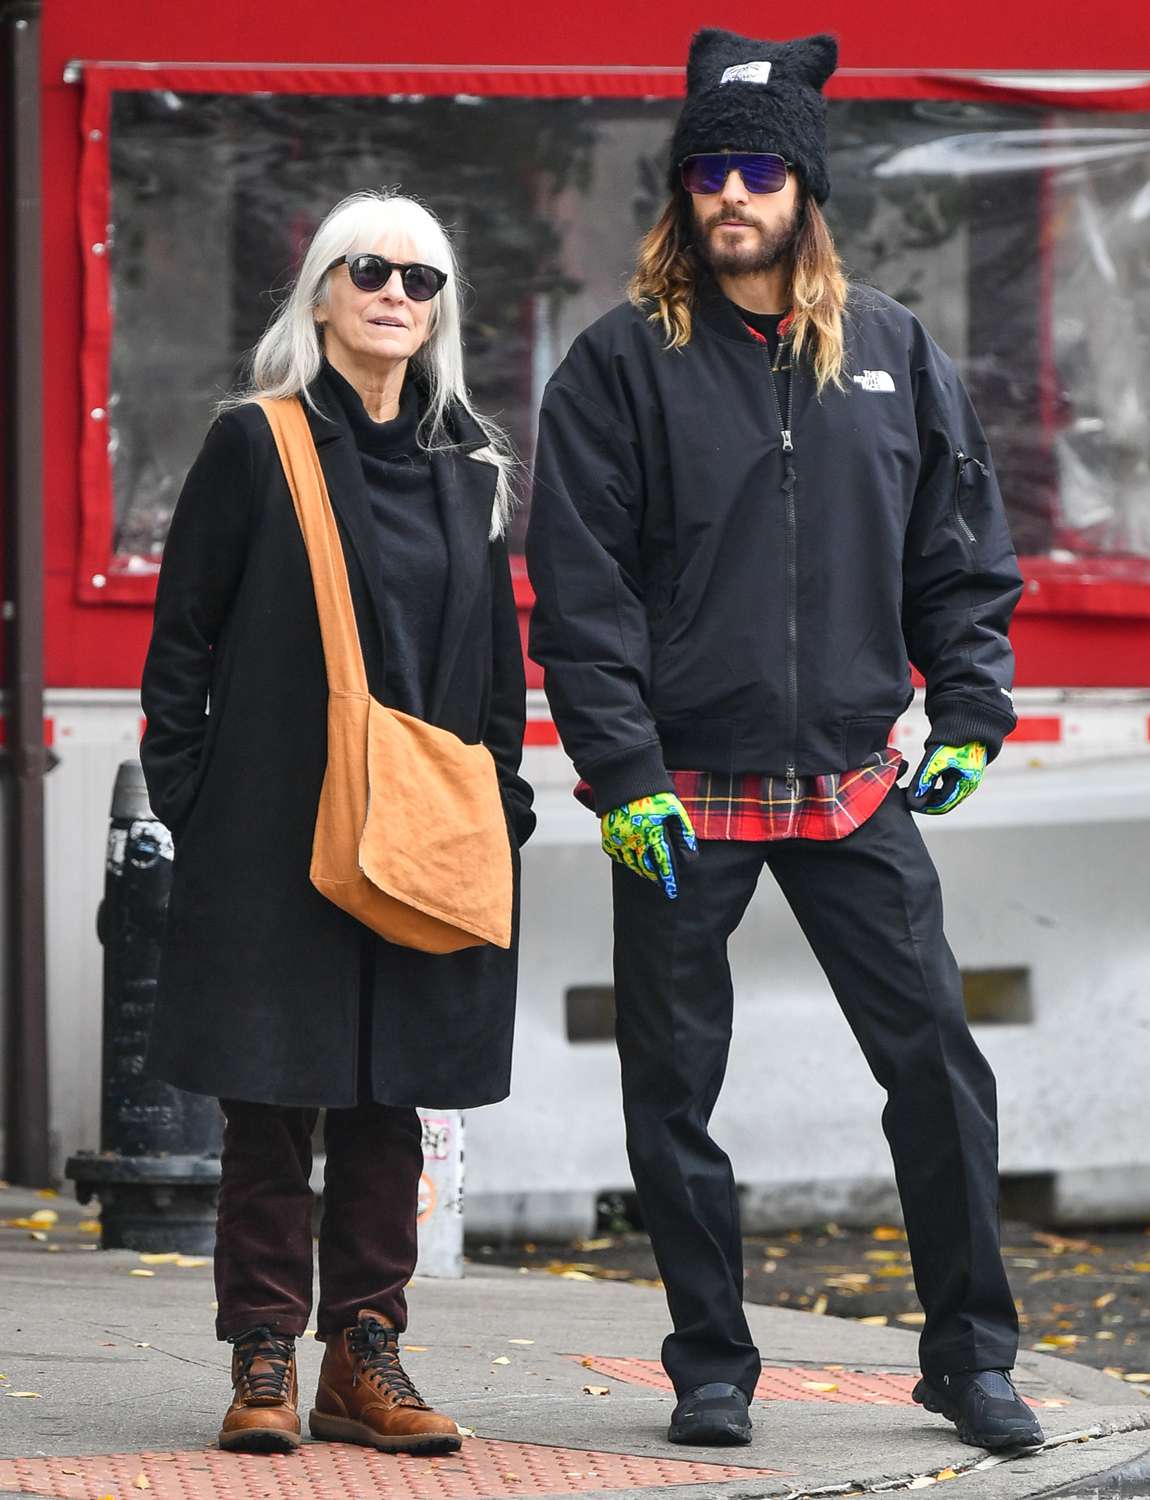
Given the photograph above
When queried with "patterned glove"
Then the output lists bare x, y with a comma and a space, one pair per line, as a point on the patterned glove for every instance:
947, 776
639, 833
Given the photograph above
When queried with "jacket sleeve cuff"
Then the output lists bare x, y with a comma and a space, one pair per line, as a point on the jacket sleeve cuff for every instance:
625, 778
963, 723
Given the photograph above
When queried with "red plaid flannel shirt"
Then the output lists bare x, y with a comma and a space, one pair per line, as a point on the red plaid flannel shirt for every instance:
761, 809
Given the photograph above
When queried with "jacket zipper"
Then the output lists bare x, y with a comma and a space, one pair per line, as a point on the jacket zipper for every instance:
786, 434
961, 460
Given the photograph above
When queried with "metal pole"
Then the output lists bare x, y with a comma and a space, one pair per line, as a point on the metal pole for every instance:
26, 1084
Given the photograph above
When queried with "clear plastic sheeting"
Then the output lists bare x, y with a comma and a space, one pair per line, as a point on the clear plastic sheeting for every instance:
1020, 235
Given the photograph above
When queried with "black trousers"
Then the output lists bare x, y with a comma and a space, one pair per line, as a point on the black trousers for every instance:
871, 909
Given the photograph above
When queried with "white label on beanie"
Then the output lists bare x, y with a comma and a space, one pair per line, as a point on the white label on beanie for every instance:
752, 72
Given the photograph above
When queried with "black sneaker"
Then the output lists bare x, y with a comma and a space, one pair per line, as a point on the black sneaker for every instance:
985, 1407
713, 1415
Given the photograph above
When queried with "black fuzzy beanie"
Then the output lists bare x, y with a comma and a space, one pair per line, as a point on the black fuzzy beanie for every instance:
744, 95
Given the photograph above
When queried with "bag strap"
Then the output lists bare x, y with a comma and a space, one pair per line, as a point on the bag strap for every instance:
342, 651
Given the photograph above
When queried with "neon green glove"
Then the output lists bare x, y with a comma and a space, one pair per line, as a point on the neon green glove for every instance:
946, 777
639, 833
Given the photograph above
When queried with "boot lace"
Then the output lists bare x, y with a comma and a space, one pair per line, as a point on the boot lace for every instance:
376, 1348
274, 1352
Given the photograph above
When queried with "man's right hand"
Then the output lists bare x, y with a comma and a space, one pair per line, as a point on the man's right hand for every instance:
639, 835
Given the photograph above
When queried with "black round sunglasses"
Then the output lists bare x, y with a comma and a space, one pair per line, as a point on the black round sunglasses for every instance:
371, 273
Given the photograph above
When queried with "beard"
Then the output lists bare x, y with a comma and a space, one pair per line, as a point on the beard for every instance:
770, 248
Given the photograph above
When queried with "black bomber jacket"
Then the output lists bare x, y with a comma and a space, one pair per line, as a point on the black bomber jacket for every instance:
722, 585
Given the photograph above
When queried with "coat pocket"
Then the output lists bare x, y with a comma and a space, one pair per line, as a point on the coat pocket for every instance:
964, 463
862, 737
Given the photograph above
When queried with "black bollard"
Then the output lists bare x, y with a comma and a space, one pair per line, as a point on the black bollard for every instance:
157, 1172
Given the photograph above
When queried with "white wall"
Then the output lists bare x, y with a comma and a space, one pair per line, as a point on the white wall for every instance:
1045, 868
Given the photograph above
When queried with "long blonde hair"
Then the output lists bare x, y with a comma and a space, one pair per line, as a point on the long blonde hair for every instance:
288, 356
667, 271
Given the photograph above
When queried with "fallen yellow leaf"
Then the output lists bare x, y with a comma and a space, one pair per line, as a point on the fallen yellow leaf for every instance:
465, 1431
1137, 1377
1113, 1370
37, 1235
884, 1254
42, 1216
601, 1244
596, 1390
520, 1341
502, 1360
947, 1474
167, 1258
1105, 1300
186, 1262
819, 1385
89, 1226
1141, 1265
415, 1348
820, 1307
47, 1193
1060, 1244
887, 1232
917, 1319
878, 1320
141, 1482
138, 1272
24, 1395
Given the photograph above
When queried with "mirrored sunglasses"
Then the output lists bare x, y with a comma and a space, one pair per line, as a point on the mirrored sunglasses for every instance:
761, 171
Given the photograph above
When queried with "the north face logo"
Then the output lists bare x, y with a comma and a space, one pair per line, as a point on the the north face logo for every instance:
874, 380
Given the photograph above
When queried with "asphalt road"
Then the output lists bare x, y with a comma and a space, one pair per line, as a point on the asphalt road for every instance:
1084, 1295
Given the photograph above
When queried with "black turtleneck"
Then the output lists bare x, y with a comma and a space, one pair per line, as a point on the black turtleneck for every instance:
413, 556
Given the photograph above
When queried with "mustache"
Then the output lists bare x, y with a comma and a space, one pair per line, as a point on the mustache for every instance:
730, 216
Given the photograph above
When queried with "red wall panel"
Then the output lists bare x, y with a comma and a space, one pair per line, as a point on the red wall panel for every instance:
103, 644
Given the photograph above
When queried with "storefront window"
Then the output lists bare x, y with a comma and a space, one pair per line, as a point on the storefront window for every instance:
1021, 237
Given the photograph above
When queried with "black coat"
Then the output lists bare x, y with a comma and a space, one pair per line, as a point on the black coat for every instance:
721, 587
261, 978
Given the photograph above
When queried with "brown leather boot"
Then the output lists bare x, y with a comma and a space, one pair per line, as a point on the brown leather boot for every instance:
365, 1395
262, 1417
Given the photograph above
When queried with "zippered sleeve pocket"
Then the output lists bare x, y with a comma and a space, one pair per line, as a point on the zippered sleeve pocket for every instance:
961, 463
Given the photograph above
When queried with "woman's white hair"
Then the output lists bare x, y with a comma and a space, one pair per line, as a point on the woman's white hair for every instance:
287, 358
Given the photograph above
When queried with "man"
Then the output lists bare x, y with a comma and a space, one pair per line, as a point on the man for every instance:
759, 490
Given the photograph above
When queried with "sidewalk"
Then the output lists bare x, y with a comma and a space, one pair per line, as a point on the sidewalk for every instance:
130, 1384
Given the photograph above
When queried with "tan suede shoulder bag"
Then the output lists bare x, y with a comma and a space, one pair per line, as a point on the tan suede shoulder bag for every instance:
410, 836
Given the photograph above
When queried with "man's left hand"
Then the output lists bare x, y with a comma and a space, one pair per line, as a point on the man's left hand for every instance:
947, 776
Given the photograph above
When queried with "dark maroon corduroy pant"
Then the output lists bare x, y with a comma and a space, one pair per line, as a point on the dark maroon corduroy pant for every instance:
367, 1243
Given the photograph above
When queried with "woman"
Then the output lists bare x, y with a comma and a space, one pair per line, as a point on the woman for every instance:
271, 998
